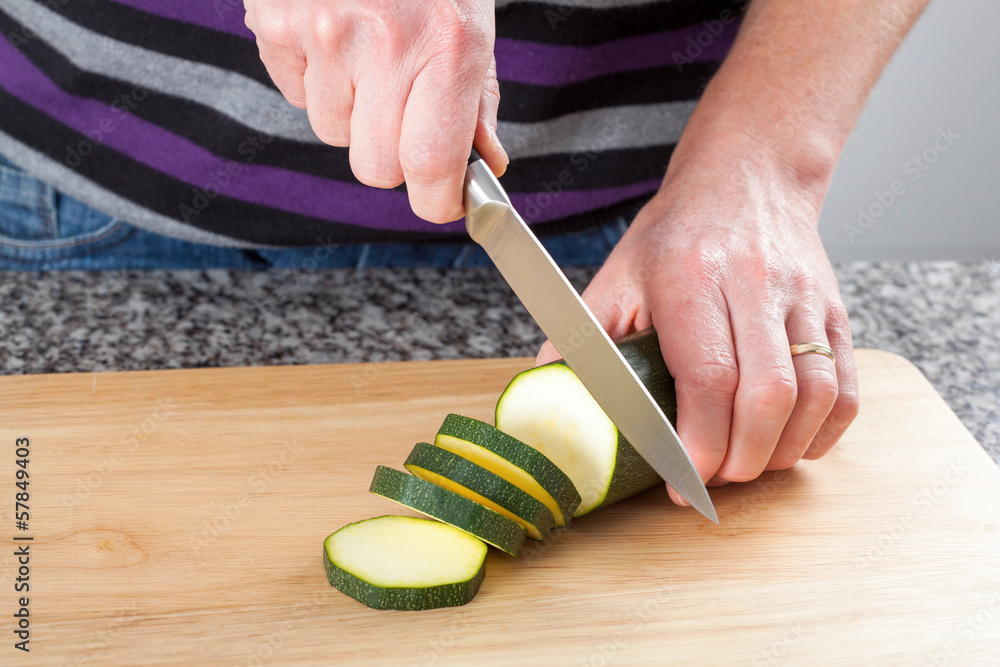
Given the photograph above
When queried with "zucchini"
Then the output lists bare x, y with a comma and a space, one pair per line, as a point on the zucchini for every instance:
447, 506
452, 472
401, 562
521, 465
549, 409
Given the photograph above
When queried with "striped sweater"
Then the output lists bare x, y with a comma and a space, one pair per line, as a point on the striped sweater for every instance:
160, 112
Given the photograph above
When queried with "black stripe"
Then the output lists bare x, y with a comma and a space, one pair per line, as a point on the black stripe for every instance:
225, 138
527, 103
175, 38
587, 171
581, 26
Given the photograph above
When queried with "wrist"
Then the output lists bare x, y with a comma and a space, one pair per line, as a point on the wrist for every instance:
802, 162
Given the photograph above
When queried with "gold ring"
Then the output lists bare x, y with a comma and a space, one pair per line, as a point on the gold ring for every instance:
817, 348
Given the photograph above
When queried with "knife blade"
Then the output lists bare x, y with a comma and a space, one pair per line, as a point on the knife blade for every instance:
562, 315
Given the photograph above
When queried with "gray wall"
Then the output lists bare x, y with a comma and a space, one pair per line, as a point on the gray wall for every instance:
945, 75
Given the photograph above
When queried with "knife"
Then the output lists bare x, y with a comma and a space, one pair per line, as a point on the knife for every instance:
562, 315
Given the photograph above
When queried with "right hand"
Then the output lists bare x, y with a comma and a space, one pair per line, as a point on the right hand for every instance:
409, 86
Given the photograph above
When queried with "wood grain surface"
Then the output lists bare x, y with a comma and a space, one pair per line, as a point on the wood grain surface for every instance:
178, 517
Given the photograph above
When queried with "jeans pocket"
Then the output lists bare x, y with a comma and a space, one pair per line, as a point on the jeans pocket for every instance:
39, 225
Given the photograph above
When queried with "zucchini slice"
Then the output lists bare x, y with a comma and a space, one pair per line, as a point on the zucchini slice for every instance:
452, 472
401, 562
521, 465
447, 506
549, 409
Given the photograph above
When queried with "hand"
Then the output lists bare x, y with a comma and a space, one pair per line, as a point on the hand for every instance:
726, 262
407, 85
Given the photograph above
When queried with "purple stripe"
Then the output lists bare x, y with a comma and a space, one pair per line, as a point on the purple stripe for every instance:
548, 65
259, 184
222, 15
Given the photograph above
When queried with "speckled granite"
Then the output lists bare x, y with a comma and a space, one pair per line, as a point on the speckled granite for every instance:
945, 317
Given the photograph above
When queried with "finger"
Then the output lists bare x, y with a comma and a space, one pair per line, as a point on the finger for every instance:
816, 389
250, 7
329, 103
766, 393
697, 346
438, 127
375, 125
845, 408
280, 49
486, 140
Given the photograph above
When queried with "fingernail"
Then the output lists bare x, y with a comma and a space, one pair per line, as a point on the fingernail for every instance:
682, 502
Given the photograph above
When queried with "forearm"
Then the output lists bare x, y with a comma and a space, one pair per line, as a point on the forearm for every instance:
797, 79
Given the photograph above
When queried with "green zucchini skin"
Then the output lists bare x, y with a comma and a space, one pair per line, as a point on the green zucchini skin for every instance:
400, 598
449, 507
487, 484
404, 599
548, 475
631, 473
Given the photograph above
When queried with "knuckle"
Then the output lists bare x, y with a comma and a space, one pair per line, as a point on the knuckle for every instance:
740, 472
274, 27
846, 408
806, 286
715, 378
375, 172
837, 318
436, 209
818, 389
324, 30
427, 162
773, 394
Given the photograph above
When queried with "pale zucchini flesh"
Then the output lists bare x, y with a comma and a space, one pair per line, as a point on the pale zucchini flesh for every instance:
521, 465
407, 563
457, 474
449, 507
549, 408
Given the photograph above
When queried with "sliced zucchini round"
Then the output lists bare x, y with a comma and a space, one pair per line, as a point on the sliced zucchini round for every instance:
549, 409
452, 472
521, 465
401, 562
447, 506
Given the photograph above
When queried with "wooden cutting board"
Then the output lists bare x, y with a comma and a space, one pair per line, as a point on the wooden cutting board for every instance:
178, 517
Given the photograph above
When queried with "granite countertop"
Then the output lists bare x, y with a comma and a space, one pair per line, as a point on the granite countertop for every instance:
943, 316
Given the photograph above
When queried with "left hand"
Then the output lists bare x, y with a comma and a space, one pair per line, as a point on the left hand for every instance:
726, 262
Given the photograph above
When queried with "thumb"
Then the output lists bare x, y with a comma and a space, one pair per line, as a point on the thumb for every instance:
486, 140
614, 302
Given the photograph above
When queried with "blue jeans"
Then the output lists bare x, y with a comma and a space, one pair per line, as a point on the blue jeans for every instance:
42, 229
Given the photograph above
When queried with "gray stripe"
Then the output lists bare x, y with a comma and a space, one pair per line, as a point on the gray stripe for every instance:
234, 95
68, 181
598, 130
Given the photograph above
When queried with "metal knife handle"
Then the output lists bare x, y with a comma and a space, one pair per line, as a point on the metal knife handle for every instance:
474, 156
